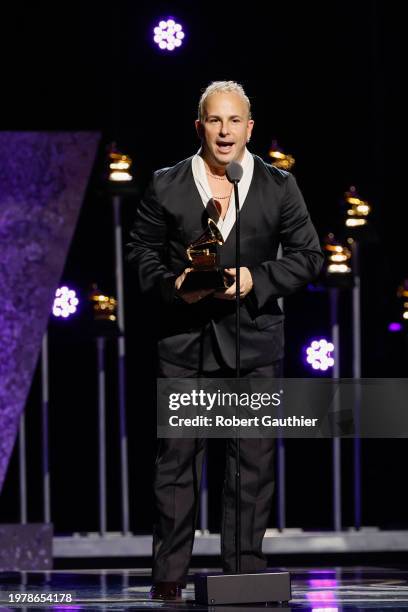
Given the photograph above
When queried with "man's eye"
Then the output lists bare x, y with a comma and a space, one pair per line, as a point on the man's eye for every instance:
213, 120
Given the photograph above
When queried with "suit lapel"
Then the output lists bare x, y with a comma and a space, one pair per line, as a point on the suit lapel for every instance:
193, 215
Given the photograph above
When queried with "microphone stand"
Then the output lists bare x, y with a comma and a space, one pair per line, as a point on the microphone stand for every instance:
237, 375
216, 589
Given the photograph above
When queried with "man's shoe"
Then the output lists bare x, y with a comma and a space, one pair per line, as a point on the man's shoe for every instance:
166, 591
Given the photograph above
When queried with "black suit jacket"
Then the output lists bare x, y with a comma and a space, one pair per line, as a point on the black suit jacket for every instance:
171, 215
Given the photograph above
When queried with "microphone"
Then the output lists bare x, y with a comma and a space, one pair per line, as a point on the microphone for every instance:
234, 172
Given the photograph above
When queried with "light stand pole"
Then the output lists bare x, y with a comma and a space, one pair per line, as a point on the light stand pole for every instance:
356, 326
105, 326
64, 305
22, 468
119, 173
121, 348
204, 498
44, 446
284, 161
45, 429
338, 272
336, 445
101, 355
281, 488
358, 211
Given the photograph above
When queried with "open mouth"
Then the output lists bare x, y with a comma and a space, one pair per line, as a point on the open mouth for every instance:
224, 147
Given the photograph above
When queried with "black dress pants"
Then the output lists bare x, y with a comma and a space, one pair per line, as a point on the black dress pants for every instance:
177, 486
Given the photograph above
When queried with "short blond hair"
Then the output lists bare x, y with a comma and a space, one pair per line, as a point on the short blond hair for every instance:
222, 87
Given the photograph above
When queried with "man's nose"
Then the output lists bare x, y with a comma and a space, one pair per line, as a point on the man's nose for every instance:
224, 130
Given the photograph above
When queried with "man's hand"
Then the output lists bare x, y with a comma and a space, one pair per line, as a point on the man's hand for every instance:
246, 284
190, 296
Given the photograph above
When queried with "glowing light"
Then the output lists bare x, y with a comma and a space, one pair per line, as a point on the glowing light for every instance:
358, 210
104, 306
338, 269
279, 158
323, 582
119, 167
394, 327
355, 222
65, 302
318, 355
402, 293
119, 176
168, 35
338, 256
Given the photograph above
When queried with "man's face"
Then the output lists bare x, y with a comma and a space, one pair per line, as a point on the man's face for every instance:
225, 128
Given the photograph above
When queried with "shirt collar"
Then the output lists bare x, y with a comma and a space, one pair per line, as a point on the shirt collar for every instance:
201, 181
200, 174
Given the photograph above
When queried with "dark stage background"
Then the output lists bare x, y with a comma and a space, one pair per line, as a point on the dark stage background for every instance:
326, 80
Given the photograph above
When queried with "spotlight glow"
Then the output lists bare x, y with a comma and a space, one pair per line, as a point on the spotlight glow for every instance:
321, 592
168, 35
338, 256
65, 302
358, 210
395, 327
318, 355
119, 167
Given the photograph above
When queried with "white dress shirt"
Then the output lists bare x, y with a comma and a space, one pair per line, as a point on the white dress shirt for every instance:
200, 177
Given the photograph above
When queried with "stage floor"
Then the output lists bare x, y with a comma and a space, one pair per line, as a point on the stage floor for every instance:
317, 590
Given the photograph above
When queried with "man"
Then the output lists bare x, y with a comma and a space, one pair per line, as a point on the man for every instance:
197, 331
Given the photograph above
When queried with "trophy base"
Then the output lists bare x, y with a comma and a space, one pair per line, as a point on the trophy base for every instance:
204, 279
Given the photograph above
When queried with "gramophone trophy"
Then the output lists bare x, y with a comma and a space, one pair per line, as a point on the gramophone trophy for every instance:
203, 255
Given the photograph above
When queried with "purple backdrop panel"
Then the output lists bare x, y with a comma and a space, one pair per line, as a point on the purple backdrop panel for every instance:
43, 177
25, 547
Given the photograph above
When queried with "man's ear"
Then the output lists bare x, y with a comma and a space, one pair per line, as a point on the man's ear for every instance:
249, 129
199, 129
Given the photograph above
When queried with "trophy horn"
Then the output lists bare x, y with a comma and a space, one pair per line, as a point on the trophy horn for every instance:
203, 252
